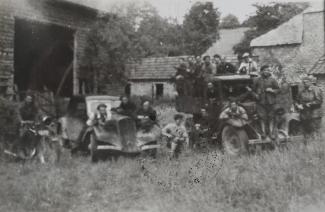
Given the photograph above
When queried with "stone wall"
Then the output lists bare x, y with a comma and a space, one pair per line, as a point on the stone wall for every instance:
148, 88
297, 59
72, 16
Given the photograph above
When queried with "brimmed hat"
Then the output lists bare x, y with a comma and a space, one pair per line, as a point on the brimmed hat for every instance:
101, 105
246, 54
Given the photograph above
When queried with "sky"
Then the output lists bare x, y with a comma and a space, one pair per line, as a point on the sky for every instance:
178, 8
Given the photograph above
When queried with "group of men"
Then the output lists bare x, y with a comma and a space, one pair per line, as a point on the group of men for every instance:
192, 76
264, 92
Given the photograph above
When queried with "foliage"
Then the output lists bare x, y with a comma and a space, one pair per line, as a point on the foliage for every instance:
8, 119
111, 43
137, 30
200, 28
267, 17
229, 22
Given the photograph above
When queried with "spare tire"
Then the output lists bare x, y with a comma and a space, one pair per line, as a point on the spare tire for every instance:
234, 140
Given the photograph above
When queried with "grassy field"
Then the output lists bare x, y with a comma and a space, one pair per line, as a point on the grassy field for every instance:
290, 180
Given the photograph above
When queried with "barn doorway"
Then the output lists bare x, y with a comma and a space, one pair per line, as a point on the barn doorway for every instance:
43, 57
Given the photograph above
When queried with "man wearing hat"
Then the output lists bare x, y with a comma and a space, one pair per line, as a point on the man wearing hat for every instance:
309, 101
248, 65
99, 117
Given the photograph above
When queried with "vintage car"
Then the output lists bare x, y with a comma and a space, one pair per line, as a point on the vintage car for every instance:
239, 139
117, 134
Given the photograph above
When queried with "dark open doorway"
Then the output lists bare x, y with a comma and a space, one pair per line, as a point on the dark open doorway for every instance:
159, 90
43, 57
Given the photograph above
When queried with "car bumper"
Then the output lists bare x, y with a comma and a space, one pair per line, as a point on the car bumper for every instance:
131, 150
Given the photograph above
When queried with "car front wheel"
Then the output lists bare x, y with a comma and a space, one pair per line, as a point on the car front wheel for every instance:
234, 140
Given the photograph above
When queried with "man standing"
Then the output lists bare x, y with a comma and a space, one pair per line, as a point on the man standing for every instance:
266, 88
198, 78
223, 67
248, 65
208, 69
308, 103
183, 81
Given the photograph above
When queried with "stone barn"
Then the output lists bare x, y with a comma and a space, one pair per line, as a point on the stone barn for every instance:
152, 77
295, 46
41, 44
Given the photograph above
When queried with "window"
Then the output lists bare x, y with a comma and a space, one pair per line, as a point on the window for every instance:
159, 90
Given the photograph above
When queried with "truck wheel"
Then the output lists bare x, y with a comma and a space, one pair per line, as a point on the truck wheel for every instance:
93, 148
234, 141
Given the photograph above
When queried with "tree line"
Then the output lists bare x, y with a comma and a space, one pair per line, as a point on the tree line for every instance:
136, 30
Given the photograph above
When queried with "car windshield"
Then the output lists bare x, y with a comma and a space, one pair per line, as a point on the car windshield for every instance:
235, 88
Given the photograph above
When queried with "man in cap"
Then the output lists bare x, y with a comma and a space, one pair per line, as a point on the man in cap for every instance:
99, 117
309, 101
266, 88
248, 65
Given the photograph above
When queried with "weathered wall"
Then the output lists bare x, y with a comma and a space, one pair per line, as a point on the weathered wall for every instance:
148, 88
298, 59
45, 11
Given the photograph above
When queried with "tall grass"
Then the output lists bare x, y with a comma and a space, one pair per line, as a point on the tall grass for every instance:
286, 180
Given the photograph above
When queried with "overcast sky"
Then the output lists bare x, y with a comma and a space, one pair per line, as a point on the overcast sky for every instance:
177, 8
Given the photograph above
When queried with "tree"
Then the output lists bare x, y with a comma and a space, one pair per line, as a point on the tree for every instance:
267, 17
229, 22
111, 44
200, 28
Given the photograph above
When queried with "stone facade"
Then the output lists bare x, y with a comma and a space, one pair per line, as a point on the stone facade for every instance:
61, 13
149, 89
297, 59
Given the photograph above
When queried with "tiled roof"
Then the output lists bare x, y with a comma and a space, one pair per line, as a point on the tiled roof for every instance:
90, 4
228, 39
319, 67
154, 68
289, 32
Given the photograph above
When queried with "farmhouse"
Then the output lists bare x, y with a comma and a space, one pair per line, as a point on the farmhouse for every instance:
152, 77
295, 45
42, 43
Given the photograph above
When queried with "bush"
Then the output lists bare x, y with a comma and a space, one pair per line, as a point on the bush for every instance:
8, 120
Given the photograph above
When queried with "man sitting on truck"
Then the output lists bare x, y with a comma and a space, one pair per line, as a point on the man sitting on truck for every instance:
234, 114
146, 116
127, 107
99, 117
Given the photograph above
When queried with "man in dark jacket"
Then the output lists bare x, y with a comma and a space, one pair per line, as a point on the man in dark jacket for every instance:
266, 88
223, 67
146, 116
127, 107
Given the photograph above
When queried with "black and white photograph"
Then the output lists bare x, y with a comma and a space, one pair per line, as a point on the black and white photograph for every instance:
162, 105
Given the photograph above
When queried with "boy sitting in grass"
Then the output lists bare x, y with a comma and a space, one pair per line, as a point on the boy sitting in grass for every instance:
176, 135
